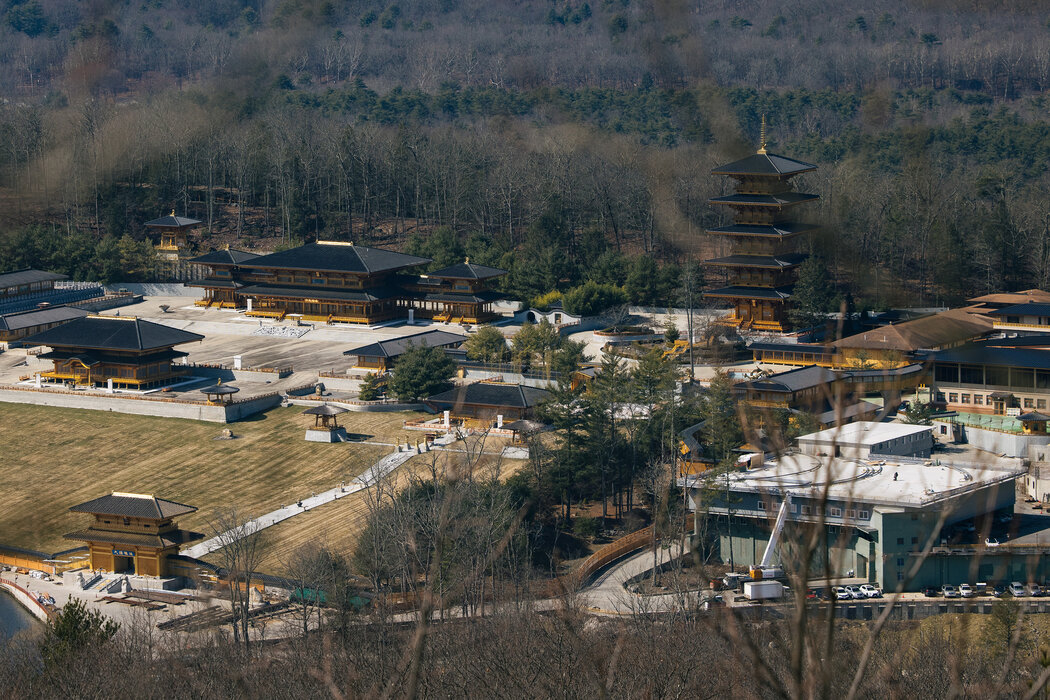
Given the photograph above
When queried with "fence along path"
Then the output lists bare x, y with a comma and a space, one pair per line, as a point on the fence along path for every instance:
377, 471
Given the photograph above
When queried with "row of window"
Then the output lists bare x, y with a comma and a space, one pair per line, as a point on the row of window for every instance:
981, 400
831, 511
992, 375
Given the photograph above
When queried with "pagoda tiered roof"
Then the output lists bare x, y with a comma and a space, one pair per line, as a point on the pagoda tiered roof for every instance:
764, 164
784, 229
779, 200
776, 262
770, 293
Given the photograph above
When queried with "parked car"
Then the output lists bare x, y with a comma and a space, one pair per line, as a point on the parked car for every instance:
991, 542
842, 593
929, 592
856, 592
1017, 590
1035, 590
949, 591
998, 590
871, 591
966, 590
812, 594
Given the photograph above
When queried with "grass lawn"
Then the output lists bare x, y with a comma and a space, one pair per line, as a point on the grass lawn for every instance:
55, 458
339, 524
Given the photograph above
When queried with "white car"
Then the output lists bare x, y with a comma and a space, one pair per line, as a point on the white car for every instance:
991, 542
966, 590
842, 593
871, 591
1017, 589
949, 591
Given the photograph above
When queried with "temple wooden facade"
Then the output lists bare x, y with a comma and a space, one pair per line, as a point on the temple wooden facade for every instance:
128, 351
133, 533
174, 247
457, 294
336, 282
762, 263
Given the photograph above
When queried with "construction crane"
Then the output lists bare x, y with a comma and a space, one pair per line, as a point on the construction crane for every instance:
765, 569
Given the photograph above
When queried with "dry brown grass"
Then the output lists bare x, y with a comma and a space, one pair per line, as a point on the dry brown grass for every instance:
339, 524
54, 458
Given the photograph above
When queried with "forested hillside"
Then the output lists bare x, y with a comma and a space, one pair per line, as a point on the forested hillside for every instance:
567, 141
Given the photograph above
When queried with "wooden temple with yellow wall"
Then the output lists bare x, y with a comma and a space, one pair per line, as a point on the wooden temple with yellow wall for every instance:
133, 533
762, 263
123, 350
339, 282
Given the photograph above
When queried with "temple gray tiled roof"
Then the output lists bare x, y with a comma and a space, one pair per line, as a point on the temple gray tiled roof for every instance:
112, 333
491, 394
17, 278
764, 164
227, 256
336, 257
134, 505
396, 346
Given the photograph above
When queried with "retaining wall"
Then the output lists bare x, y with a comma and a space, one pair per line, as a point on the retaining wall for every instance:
27, 601
231, 375
1009, 444
144, 407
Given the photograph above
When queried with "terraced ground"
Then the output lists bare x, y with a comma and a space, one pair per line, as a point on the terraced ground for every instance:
54, 458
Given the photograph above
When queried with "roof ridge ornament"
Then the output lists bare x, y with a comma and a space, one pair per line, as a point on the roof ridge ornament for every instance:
762, 137
172, 213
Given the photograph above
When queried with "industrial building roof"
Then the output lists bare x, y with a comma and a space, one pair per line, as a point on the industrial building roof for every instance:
134, 505
112, 333
17, 278
865, 433
886, 481
336, 256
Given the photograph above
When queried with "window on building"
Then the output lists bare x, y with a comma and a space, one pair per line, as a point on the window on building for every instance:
900, 575
964, 398
127, 522
835, 512
971, 374
317, 280
851, 514
978, 400
761, 505
940, 396
1029, 403
807, 510
900, 540
1040, 403
900, 561
864, 515
953, 397
915, 540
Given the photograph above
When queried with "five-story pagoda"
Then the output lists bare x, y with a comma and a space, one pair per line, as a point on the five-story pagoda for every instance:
763, 260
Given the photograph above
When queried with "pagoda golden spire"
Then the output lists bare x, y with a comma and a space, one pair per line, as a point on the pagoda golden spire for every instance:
762, 137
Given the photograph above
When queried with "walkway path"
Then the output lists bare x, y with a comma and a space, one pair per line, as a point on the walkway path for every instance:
607, 594
380, 469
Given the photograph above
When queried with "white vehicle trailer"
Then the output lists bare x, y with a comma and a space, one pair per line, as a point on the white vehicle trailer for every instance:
763, 590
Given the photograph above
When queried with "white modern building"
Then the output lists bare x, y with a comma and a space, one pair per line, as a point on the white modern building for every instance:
862, 439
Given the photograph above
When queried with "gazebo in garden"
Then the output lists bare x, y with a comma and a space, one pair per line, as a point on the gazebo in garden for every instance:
326, 427
220, 394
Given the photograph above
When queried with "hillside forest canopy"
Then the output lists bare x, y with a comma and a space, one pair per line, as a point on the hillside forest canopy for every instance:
568, 142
